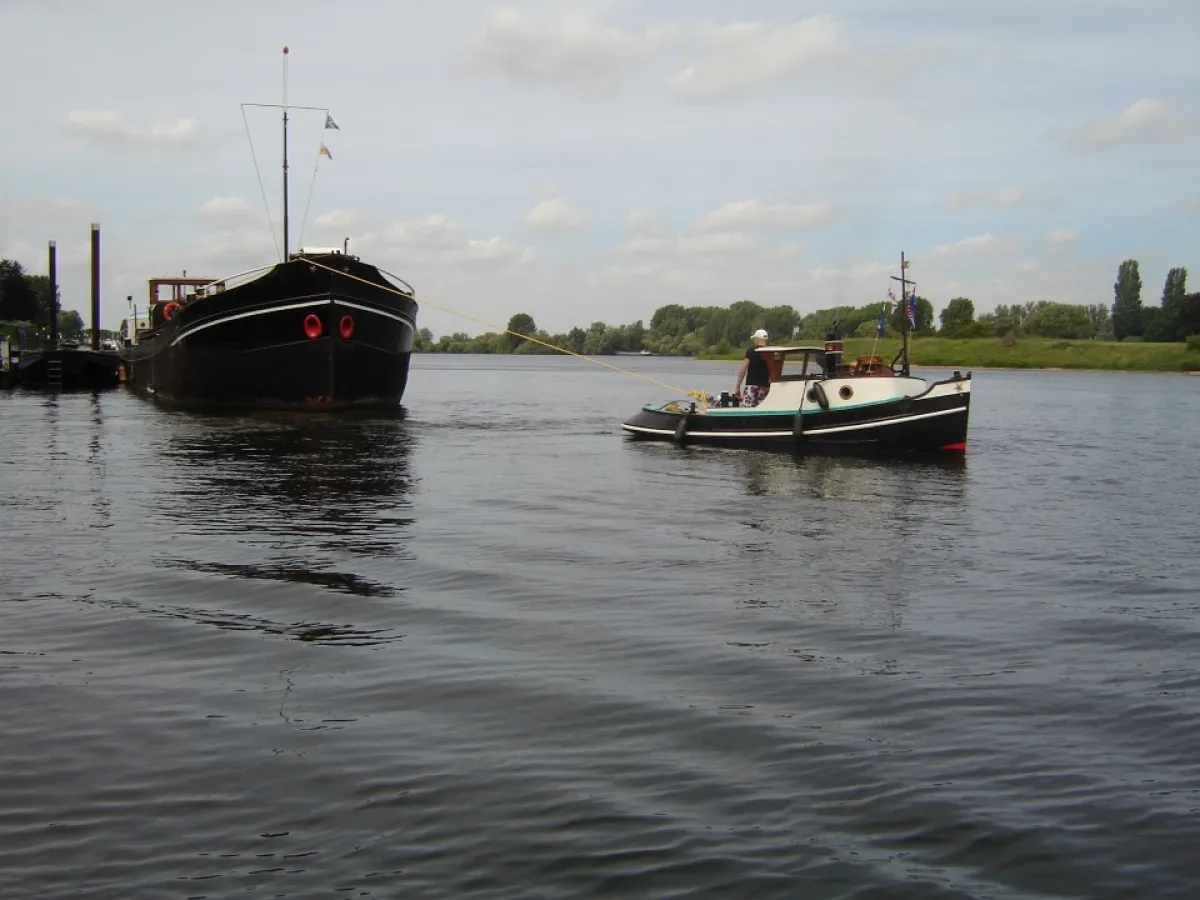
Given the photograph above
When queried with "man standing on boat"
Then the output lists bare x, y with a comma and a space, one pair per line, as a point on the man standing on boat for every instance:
754, 372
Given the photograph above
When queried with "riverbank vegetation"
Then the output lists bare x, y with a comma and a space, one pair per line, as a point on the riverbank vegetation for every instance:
1125, 334
1037, 334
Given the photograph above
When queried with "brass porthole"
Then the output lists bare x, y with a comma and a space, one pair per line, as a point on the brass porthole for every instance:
846, 392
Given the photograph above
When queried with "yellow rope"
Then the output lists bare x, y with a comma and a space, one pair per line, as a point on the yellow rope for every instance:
698, 395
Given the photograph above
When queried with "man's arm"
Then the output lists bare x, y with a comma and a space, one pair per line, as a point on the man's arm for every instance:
741, 374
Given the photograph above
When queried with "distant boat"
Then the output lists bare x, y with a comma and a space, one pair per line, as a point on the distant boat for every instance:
319, 330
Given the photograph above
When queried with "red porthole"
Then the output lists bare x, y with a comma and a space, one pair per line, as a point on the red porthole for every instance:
312, 326
346, 327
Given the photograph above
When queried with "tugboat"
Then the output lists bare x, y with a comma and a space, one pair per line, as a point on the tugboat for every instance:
816, 403
320, 330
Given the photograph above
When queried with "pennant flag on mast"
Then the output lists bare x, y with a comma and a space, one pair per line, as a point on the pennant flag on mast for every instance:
329, 123
882, 326
324, 151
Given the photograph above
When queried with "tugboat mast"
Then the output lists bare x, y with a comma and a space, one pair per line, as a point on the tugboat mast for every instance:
285, 160
904, 327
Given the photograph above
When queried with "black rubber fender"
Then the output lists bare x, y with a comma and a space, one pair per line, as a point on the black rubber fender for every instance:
798, 424
822, 400
681, 430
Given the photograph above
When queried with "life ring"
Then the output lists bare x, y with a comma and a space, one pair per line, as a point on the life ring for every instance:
171, 308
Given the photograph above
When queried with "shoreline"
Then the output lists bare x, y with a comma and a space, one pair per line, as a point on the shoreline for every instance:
971, 368
1028, 354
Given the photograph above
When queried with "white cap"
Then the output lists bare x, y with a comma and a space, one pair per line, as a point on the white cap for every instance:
761, 333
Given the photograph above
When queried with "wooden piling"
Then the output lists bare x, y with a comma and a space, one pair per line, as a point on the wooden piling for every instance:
95, 286
53, 266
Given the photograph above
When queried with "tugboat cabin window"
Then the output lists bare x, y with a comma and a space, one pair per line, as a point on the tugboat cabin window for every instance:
799, 366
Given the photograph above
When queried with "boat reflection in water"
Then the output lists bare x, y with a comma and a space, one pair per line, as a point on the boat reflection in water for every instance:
850, 478
854, 539
336, 482
289, 500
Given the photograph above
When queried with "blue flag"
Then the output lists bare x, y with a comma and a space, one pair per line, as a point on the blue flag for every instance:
912, 309
882, 321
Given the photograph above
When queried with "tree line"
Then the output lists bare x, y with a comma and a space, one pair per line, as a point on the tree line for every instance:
677, 330
25, 300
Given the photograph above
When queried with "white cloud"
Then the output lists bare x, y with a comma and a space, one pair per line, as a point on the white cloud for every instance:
1062, 236
770, 216
1000, 197
976, 245
556, 216
108, 129
746, 55
1147, 119
226, 251
437, 240
225, 208
53, 211
644, 220
436, 231
338, 219
720, 242
567, 50
494, 251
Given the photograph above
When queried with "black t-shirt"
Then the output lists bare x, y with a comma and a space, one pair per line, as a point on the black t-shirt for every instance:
757, 374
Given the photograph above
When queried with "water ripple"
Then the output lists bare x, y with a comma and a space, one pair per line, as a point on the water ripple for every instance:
510, 655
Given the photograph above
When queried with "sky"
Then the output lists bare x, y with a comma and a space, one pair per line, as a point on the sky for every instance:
586, 162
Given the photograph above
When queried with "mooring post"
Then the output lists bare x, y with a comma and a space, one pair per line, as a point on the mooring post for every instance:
53, 267
95, 286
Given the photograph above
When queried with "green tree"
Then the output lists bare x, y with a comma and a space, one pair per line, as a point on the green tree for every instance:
70, 325
41, 289
958, 315
1101, 323
576, 339
1175, 288
1168, 325
1127, 301
1189, 314
925, 317
521, 323
1059, 320
19, 300
423, 341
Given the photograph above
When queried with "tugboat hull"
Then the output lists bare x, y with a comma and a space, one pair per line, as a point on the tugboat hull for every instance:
933, 422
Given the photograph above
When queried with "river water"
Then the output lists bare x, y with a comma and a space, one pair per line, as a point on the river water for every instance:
492, 649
